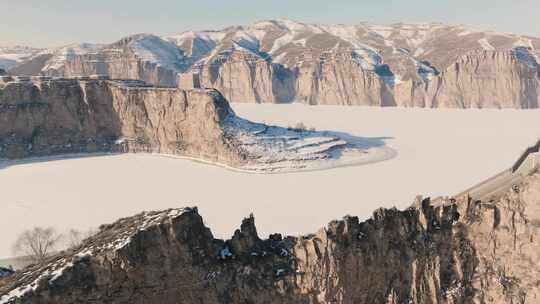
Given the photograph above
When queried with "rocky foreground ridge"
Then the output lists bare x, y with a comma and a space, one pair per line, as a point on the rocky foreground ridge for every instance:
453, 251
281, 61
42, 116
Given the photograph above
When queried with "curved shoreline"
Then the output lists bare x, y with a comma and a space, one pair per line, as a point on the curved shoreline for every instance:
384, 154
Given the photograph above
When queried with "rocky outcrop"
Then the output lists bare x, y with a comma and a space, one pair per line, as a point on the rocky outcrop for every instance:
338, 78
454, 251
47, 117
319, 78
129, 58
40, 116
241, 77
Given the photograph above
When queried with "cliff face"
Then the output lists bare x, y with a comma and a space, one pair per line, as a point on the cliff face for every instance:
241, 77
480, 79
477, 80
125, 59
70, 116
451, 252
338, 78
335, 79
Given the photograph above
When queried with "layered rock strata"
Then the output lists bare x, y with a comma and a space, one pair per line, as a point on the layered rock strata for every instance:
460, 251
480, 79
62, 116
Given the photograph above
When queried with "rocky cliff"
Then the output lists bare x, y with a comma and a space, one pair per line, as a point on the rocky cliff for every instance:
479, 79
41, 116
280, 61
62, 116
128, 58
454, 251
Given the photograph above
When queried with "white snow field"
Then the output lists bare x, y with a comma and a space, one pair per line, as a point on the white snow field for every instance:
440, 152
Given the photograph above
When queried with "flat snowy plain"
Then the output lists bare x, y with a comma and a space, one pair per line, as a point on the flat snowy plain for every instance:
440, 152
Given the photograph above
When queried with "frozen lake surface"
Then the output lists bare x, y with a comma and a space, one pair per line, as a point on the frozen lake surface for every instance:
440, 152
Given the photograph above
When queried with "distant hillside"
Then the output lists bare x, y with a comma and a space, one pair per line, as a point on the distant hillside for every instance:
279, 61
12, 56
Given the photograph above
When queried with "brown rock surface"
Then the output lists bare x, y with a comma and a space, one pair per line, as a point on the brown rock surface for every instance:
241, 77
453, 252
121, 60
49, 117
479, 79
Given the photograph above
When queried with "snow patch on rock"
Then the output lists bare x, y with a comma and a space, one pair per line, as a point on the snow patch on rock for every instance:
486, 45
68, 52
526, 56
154, 49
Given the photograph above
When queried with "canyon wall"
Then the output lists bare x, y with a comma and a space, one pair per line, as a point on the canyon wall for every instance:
453, 251
334, 80
480, 79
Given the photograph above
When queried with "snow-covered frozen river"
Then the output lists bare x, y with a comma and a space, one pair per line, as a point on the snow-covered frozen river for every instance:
439, 152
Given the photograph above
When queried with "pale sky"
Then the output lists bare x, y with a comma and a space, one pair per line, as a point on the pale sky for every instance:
48, 23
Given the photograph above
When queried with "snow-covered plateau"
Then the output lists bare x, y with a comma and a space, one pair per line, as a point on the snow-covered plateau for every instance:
438, 152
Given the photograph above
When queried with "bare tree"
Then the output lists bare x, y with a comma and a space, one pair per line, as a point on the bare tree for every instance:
74, 237
300, 126
37, 243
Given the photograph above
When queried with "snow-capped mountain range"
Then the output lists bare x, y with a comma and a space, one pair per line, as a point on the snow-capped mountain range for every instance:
284, 61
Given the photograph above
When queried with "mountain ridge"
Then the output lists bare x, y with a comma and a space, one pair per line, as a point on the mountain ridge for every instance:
282, 61
454, 251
